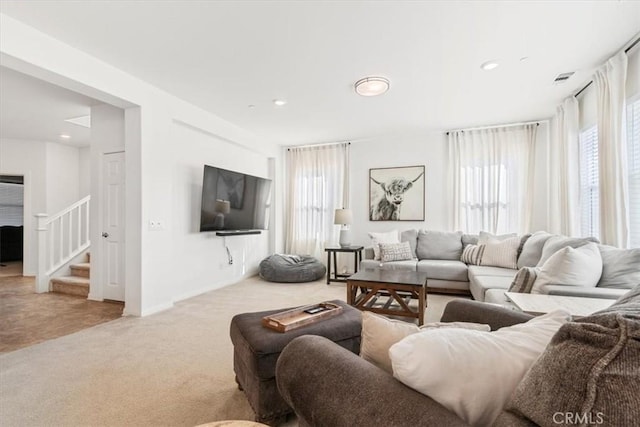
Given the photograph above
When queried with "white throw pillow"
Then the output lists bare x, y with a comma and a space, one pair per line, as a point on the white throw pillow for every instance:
501, 253
469, 372
485, 237
571, 267
379, 333
377, 238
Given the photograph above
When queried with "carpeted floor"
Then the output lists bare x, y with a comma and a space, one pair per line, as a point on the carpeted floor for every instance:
173, 368
27, 318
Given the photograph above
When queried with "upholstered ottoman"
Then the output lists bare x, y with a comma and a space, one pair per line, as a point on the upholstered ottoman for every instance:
256, 350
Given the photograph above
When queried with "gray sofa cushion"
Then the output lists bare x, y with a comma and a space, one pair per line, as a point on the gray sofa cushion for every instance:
439, 245
620, 267
395, 265
444, 269
410, 236
532, 249
469, 239
483, 270
480, 284
604, 385
555, 243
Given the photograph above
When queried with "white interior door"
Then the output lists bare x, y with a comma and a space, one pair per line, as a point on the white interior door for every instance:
113, 229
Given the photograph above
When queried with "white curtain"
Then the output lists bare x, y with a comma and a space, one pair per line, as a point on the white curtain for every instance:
564, 171
612, 146
317, 185
491, 172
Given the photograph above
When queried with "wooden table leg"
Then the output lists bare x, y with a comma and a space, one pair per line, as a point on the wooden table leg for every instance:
328, 267
355, 259
422, 296
335, 265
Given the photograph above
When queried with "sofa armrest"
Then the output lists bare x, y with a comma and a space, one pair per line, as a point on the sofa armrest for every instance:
585, 291
496, 316
327, 385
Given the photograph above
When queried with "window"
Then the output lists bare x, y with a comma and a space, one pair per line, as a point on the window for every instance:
633, 155
589, 191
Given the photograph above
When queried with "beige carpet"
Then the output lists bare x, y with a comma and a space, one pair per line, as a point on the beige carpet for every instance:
170, 369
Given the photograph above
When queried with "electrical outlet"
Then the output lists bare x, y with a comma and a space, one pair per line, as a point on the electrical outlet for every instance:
156, 225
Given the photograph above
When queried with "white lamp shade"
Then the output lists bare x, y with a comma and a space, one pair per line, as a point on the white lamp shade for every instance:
343, 216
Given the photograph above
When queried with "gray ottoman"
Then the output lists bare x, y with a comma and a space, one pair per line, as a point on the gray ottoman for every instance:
256, 350
291, 268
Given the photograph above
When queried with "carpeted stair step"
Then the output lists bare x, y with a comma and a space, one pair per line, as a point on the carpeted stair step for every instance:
81, 270
71, 285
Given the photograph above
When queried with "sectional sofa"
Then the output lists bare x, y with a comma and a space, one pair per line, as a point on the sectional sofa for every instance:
439, 254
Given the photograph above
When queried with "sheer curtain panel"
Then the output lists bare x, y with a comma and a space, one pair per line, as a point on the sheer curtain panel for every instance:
564, 171
491, 172
612, 151
317, 185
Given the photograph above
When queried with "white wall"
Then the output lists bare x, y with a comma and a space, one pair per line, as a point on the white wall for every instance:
151, 150
84, 172
429, 149
63, 172
27, 158
411, 150
198, 261
51, 173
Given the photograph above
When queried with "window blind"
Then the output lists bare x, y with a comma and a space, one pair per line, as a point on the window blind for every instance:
633, 154
11, 204
589, 191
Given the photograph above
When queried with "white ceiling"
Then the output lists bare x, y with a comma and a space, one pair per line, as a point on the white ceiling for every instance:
225, 55
32, 109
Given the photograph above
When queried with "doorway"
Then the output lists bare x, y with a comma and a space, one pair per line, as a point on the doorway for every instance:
11, 225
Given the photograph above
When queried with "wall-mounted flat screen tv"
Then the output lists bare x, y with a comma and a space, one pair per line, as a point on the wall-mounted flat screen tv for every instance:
234, 201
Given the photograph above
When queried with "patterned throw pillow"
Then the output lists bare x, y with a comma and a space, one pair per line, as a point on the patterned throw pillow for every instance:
472, 254
395, 251
524, 280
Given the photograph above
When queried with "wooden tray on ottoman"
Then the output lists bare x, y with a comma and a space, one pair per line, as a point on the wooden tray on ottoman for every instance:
297, 317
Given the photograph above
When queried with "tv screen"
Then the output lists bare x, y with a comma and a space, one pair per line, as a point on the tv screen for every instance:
234, 201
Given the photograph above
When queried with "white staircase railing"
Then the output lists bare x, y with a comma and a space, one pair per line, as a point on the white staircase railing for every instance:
61, 238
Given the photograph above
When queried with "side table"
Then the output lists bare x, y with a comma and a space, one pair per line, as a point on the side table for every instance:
357, 257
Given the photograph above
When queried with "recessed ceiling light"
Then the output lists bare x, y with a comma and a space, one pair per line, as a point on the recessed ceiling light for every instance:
84, 121
251, 106
65, 136
489, 65
372, 86
279, 102
524, 58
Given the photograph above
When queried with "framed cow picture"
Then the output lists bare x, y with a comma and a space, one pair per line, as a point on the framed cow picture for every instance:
396, 194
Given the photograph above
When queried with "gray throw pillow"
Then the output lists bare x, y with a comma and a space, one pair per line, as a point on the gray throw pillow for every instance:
410, 236
555, 243
603, 388
620, 267
439, 245
532, 249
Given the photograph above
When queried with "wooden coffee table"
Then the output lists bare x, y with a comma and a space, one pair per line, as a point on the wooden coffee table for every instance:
388, 292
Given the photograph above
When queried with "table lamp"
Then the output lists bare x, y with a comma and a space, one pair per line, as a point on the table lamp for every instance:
344, 217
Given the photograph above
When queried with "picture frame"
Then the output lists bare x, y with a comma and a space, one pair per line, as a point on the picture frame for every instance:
397, 193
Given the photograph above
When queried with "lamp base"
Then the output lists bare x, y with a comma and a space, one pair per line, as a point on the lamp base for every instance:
345, 238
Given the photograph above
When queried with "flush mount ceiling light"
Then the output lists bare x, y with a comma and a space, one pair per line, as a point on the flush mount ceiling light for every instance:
489, 65
372, 86
65, 136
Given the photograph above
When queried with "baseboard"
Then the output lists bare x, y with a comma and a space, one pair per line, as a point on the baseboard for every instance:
155, 309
